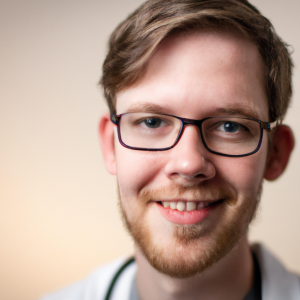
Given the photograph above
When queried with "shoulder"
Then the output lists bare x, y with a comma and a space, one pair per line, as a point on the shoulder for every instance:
96, 284
277, 282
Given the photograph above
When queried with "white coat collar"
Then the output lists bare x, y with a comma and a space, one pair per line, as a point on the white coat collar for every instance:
277, 282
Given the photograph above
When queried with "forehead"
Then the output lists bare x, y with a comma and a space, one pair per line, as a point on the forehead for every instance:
198, 72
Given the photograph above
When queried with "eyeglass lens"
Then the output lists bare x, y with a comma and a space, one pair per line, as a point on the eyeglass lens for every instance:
226, 135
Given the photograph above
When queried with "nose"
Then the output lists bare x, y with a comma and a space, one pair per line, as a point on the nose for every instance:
189, 159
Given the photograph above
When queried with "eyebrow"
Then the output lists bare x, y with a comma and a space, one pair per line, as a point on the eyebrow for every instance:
238, 110
231, 110
147, 107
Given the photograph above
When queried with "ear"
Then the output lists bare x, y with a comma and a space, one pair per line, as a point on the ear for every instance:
281, 146
106, 133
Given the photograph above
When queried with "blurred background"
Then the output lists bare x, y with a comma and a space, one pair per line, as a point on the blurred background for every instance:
58, 207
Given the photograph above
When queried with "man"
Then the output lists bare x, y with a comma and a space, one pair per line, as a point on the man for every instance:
197, 90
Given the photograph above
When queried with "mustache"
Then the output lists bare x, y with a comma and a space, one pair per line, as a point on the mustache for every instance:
189, 193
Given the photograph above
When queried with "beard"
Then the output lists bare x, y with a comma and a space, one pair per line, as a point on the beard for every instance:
193, 248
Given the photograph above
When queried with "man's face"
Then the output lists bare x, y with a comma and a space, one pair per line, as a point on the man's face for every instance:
193, 75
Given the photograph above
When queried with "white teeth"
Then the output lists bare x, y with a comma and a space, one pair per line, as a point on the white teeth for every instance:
166, 204
190, 206
185, 206
173, 205
180, 206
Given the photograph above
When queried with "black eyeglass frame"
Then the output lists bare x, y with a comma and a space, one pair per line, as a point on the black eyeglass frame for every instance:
269, 126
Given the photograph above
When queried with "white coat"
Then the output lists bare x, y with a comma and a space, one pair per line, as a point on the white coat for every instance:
277, 282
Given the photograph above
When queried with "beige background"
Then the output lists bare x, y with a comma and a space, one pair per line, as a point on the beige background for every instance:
58, 213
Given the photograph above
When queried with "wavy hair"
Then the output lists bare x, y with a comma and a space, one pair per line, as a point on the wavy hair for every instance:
135, 39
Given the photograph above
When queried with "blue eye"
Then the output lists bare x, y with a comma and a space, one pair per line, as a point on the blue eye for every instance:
231, 127
153, 122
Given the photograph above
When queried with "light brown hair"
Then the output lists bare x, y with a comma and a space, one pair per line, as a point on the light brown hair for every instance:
134, 41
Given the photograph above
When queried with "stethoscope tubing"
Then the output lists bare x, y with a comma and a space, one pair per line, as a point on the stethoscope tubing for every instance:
116, 276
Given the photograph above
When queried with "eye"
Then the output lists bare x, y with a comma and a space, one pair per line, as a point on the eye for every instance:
153, 122
232, 127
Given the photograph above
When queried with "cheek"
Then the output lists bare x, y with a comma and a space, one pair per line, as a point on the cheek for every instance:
136, 169
245, 173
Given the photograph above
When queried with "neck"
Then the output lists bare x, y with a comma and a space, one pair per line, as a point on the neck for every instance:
229, 278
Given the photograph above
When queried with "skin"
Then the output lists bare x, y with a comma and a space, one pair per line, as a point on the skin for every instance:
195, 75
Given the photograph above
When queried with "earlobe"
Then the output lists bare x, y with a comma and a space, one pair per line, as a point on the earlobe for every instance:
281, 146
106, 134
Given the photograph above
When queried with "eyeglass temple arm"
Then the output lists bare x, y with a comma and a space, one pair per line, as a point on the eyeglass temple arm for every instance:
270, 126
114, 118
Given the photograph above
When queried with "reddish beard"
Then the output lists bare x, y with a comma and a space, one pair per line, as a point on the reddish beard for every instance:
189, 255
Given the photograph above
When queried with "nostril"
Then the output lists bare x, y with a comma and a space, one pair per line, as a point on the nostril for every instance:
200, 176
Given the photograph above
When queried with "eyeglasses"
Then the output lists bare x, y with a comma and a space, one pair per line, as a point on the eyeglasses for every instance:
226, 136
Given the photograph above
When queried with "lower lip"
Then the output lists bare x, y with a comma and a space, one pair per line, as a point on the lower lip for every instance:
186, 217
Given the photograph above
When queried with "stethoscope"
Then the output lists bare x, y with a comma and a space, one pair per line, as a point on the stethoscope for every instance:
117, 275
131, 260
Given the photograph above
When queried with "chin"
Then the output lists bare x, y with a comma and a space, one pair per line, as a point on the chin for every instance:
183, 251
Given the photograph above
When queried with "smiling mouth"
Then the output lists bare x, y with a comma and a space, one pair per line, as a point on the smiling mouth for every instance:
189, 205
